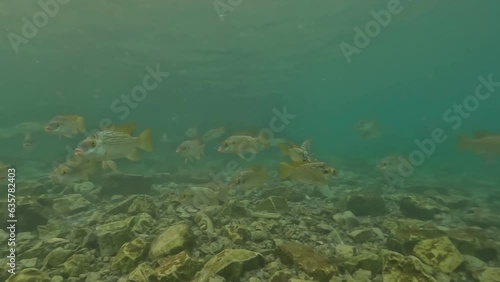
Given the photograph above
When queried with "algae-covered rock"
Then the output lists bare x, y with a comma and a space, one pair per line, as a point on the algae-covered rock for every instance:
70, 203
236, 233
179, 267
272, 204
421, 207
346, 219
141, 224
29, 275
142, 273
234, 209
282, 275
305, 258
231, 264
398, 268
76, 265
56, 257
489, 274
143, 204
111, 236
173, 240
30, 212
440, 253
344, 251
406, 233
363, 235
366, 260
129, 254
362, 204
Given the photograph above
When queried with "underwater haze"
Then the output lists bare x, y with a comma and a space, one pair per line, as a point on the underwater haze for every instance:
158, 101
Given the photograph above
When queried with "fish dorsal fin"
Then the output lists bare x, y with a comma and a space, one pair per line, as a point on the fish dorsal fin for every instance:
127, 128
483, 133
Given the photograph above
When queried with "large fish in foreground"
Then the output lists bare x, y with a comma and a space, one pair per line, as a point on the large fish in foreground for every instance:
114, 143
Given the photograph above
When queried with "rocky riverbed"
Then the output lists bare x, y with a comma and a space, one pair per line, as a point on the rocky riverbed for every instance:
137, 228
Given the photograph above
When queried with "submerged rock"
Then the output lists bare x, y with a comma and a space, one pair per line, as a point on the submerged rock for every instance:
76, 264
173, 240
231, 264
179, 267
396, 267
272, 204
346, 219
421, 207
439, 253
56, 257
143, 204
362, 204
236, 233
70, 203
142, 273
490, 274
29, 274
366, 260
129, 254
307, 259
111, 236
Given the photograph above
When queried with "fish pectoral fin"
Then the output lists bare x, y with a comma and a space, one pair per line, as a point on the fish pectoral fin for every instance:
110, 164
134, 156
113, 166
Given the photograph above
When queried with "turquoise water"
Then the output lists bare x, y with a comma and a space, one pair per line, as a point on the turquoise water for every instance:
284, 53
238, 68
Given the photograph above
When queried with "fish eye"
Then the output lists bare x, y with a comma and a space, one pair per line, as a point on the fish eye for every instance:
225, 144
92, 143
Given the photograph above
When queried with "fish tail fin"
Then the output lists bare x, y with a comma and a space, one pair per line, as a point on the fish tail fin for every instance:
81, 124
146, 140
285, 170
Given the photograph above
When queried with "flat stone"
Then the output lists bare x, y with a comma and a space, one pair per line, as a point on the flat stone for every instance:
362, 204
490, 274
231, 264
173, 240
396, 267
421, 207
129, 254
236, 233
439, 253
346, 219
111, 236
29, 274
179, 267
306, 258
272, 204
70, 203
